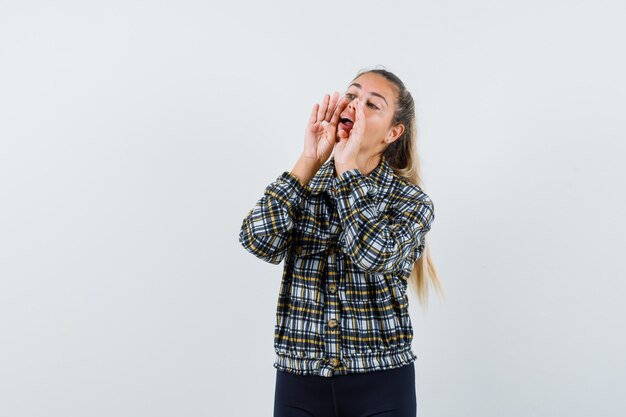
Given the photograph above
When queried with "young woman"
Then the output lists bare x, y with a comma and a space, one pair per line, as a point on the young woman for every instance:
351, 229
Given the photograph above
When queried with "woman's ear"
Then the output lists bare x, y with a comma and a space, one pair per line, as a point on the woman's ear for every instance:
394, 133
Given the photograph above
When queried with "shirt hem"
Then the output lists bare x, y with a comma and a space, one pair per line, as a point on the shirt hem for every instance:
352, 363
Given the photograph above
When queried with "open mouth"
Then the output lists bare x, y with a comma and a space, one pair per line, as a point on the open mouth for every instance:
346, 124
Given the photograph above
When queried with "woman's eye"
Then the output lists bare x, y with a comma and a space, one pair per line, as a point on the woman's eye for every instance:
349, 95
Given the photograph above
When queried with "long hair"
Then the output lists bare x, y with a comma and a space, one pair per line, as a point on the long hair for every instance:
404, 160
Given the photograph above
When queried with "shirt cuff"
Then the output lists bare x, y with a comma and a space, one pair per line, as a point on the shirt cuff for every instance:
288, 191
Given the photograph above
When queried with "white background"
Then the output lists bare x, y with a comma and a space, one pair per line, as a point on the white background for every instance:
136, 135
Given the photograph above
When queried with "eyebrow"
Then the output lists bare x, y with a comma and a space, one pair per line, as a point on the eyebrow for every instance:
357, 85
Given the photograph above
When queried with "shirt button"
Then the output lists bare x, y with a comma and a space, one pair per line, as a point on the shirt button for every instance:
332, 323
332, 288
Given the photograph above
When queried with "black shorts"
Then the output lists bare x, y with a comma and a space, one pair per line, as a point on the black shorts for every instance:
386, 393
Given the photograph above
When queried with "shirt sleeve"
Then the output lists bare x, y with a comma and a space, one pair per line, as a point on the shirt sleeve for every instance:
265, 231
376, 241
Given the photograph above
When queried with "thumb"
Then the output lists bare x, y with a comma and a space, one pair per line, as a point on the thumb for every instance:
342, 135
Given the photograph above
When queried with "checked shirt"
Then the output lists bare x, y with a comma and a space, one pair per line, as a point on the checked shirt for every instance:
348, 243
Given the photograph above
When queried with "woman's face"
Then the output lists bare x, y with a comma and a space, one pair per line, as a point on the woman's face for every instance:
379, 96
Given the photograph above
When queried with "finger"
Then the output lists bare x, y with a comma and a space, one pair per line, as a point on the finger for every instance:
333, 129
342, 104
360, 114
338, 109
321, 113
359, 122
331, 107
313, 117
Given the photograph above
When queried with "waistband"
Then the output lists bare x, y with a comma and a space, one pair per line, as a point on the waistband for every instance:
348, 363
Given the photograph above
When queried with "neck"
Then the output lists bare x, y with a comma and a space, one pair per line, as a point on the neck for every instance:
368, 163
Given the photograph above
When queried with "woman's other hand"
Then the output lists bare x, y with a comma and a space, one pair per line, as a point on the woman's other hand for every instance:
321, 131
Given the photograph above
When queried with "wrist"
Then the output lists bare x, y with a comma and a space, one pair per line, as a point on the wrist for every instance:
309, 161
305, 168
341, 168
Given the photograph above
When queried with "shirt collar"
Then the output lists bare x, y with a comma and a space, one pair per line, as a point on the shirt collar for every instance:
323, 179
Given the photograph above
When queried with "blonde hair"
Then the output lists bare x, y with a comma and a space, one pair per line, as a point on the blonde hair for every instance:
404, 160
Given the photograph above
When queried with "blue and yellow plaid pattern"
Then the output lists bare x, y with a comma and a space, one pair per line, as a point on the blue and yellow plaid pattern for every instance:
349, 243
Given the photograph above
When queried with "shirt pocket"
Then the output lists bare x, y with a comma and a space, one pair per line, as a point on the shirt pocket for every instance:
306, 244
312, 236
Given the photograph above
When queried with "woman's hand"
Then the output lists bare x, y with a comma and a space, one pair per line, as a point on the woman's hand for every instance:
347, 149
321, 131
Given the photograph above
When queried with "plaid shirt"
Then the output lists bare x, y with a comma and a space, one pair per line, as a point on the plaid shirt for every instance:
349, 244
